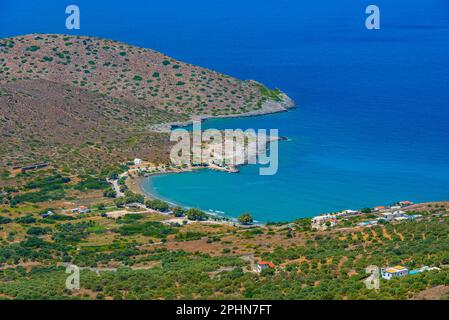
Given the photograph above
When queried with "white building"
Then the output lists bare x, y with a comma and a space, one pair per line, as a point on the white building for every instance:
396, 215
348, 212
81, 209
394, 272
324, 222
261, 265
137, 162
387, 216
323, 218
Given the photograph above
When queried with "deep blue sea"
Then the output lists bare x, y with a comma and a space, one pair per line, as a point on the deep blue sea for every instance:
371, 125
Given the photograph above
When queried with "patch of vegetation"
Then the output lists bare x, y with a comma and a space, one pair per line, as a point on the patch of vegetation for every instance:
189, 236
33, 48
195, 214
5, 220
158, 205
150, 229
271, 94
92, 183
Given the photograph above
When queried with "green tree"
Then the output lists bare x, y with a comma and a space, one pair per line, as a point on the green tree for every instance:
5, 220
179, 211
196, 215
246, 218
157, 205
4, 174
366, 210
110, 193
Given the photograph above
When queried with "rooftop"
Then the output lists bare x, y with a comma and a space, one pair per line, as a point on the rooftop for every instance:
266, 263
396, 269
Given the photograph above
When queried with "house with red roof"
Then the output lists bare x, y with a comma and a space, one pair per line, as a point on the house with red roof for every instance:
261, 265
405, 203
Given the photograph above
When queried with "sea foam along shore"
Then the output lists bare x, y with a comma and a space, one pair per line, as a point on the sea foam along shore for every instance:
268, 107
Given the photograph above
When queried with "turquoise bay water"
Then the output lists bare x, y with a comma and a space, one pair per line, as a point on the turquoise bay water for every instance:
371, 127
372, 123
321, 169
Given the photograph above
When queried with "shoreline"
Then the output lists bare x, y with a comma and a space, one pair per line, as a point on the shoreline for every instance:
136, 186
268, 107
318, 221
134, 181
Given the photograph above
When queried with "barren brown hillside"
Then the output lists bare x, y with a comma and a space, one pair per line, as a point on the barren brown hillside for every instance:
83, 102
122, 71
46, 121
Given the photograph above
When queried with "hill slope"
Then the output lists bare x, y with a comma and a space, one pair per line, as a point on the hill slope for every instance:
47, 121
84, 102
136, 74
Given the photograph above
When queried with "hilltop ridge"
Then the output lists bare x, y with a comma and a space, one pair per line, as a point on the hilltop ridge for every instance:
127, 72
90, 101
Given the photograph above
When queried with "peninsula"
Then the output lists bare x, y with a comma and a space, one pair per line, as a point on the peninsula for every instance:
84, 102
